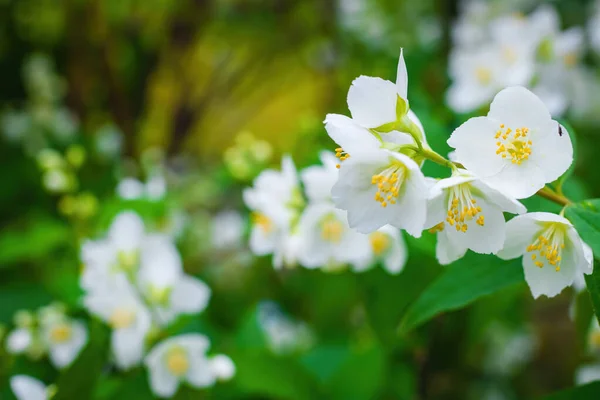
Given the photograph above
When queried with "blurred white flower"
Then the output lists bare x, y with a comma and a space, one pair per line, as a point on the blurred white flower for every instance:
64, 338
156, 186
19, 340
121, 308
593, 28
319, 179
508, 351
183, 359
327, 240
467, 214
387, 246
15, 125
517, 148
587, 374
27, 388
108, 141
283, 334
130, 189
553, 253
227, 230
274, 200
222, 366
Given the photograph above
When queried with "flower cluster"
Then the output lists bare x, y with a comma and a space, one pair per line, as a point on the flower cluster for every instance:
492, 51
134, 282
305, 227
510, 154
49, 331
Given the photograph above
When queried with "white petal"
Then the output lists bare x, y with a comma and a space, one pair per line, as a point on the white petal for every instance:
485, 239
447, 251
475, 146
587, 374
128, 346
436, 207
520, 233
130, 188
411, 208
27, 388
504, 202
126, 231
200, 374
190, 295
397, 255
547, 281
518, 107
372, 101
518, 181
349, 135
63, 354
162, 382
222, 366
583, 252
402, 78
464, 97
551, 152
18, 341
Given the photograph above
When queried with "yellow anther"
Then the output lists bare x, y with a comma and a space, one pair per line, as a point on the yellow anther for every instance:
262, 221
60, 333
548, 245
389, 182
513, 144
380, 242
331, 229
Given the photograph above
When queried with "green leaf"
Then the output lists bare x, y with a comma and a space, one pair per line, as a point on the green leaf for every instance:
78, 381
263, 374
589, 391
585, 216
21, 296
38, 238
462, 283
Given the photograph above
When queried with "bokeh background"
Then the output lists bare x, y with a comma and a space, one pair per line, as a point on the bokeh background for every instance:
171, 108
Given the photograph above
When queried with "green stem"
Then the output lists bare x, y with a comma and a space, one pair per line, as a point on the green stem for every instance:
551, 195
437, 158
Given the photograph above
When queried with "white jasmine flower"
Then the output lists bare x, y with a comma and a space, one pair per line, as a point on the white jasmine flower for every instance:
64, 338
130, 189
319, 179
127, 232
274, 200
27, 388
517, 148
386, 246
587, 374
180, 359
156, 186
287, 250
222, 366
124, 311
381, 187
283, 334
19, 340
373, 101
478, 74
553, 253
593, 28
327, 240
227, 230
467, 214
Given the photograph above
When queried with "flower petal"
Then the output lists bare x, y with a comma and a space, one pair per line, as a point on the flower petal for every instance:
396, 257
546, 280
551, 152
127, 347
200, 374
372, 101
518, 107
190, 295
476, 148
504, 202
349, 135
27, 388
485, 239
520, 233
402, 78
446, 250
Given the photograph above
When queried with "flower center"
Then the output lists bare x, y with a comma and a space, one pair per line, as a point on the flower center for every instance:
128, 260
462, 208
548, 246
483, 75
263, 222
177, 361
342, 155
331, 229
380, 242
513, 145
61, 333
509, 54
389, 182
570, 59
121, 318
